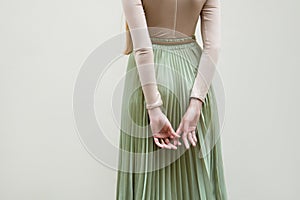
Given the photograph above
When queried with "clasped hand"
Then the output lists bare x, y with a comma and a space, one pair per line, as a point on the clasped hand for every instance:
164, 134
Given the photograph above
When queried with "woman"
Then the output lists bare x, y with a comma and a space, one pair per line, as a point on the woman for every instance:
168, 100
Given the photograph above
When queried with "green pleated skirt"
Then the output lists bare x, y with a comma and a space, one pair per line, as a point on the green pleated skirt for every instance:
147, 172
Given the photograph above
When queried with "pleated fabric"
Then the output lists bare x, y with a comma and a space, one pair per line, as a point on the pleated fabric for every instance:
147, 172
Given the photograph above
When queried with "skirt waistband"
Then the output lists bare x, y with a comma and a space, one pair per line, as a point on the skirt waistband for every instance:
169, 41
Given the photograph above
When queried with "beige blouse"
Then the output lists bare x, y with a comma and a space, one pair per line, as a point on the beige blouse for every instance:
173, 19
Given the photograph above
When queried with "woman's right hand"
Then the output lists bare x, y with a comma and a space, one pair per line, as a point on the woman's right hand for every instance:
162, 130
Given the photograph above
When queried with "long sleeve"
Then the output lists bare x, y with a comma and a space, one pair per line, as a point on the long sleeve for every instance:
210, 31
143, 52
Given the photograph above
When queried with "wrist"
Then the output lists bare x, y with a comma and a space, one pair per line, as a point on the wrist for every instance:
154, 110
196, 100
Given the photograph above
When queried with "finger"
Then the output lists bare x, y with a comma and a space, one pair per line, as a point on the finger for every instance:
186, 132
191, 139
165, 145
173, 133
178, 131
178, 141
194, 135
175, 141
170, 144
167, 141
185, 141
157, 143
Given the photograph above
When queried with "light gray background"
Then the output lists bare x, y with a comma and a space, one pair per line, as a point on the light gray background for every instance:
44, 43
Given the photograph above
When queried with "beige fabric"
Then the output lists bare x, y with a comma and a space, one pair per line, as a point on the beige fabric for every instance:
173, 19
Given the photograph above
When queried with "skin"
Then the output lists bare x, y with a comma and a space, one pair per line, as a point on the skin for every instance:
186, 128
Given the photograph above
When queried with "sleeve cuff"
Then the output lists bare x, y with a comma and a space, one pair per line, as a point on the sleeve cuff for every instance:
158, 103
201, 98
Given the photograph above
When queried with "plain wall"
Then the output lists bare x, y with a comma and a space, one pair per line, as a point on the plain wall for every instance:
42, 47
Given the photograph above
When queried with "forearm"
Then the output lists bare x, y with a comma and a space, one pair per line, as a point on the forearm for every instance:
205, 74
211, 37
143, 52
146, 68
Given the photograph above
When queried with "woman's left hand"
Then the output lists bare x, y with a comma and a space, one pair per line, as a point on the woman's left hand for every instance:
188, 123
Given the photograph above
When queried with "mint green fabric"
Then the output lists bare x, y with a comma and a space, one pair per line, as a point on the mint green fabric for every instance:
147, 172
